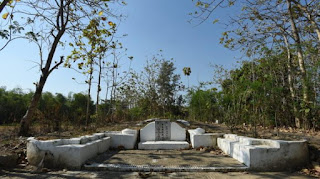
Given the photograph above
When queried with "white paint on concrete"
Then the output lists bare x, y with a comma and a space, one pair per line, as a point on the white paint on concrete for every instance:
148, 132
163, 145
68, 153
177, 132
177, 138
129, 131
71, 141
199, 138
199, 131
265, 154
126, 138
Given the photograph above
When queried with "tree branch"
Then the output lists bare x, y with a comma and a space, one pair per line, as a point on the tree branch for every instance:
57, 64
3, 4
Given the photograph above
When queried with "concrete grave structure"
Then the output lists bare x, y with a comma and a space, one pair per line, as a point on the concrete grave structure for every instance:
163, 134
126, 138
256, 154
66, 153
265, 154
199, 138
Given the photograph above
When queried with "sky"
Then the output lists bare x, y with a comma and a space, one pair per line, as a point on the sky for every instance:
151, 25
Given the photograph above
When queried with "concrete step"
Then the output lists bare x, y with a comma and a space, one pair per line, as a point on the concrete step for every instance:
163, 145
154, 168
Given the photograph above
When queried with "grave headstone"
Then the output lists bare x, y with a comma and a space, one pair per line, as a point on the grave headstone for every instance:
162, 130
163, 135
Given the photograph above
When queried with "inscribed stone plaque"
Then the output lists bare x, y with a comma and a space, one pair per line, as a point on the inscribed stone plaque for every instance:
163, 130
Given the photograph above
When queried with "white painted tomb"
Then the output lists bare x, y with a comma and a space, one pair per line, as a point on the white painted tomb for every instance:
257, 154
66, 153
163, 135
199, 138
126, 138
265, 154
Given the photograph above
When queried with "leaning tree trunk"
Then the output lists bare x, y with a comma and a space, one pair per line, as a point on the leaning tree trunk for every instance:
47, 69
303, 72
26, 119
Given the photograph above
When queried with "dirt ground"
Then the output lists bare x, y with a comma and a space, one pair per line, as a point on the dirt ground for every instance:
181, 158
25, 174
11, 144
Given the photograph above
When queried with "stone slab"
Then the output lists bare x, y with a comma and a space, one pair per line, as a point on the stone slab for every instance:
162, 130
163, 145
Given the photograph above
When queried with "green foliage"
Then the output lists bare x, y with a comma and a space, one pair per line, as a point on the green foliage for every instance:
291, 32
167, 83
186, 71
257, 93
136, 113
52, 109
78, 105
203, 105
13, 105
153, 91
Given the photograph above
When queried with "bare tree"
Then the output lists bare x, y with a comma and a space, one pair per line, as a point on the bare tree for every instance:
51, 20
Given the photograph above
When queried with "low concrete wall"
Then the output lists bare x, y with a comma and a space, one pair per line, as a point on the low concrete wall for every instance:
199, 138
265, 154
126, 138
66, 153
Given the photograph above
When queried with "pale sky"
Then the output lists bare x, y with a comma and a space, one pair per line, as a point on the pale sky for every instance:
151, 25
